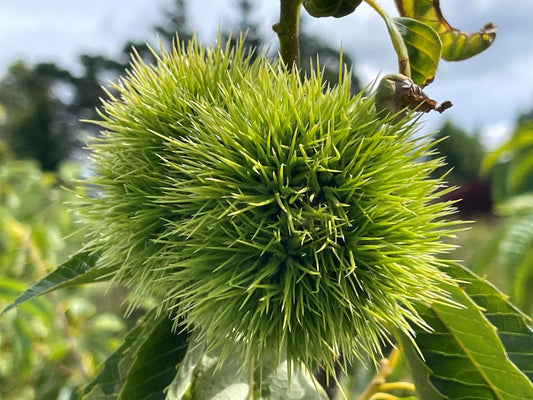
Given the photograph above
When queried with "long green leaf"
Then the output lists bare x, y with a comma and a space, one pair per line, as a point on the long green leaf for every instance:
10, 288
465, 357
80, 268
457, 45
512, 326
143, 366
423, 46
156, 362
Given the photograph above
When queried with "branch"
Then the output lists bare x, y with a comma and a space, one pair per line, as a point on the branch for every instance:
287, 30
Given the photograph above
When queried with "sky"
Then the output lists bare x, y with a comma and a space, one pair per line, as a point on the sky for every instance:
488, 91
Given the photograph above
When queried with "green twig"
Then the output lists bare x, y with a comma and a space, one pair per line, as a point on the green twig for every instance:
397, 40
287, 30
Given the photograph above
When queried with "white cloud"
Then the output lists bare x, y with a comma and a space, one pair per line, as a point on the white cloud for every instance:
494, 135
60, 30
488, 90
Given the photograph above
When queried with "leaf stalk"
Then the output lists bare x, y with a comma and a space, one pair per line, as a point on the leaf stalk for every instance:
400, 48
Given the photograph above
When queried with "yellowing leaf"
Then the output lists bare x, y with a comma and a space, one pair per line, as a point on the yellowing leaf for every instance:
457, 45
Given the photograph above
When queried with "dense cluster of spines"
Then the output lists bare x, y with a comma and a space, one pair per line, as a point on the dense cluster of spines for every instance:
270, 213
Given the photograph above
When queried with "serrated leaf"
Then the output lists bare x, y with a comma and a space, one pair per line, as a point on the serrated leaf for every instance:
9, 288
513, 326
144, 365
464, 358
423, 46
457, 45
79, 269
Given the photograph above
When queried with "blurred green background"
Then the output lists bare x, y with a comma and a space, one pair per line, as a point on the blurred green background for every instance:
51, 346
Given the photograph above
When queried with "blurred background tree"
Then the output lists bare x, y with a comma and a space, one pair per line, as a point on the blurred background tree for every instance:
37, 120
464, 154
44, 103
511, 245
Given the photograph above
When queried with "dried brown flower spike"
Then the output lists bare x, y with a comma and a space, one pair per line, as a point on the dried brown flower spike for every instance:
398, 94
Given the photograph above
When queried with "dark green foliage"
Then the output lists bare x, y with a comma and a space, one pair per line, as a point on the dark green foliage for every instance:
463, 153
32, 128
87, 88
